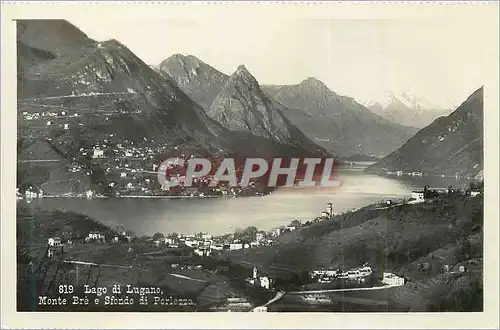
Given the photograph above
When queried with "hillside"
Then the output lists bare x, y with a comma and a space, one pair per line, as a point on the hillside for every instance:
450, 145
75, 93
36, 226
104, 80
446, 231
335, 122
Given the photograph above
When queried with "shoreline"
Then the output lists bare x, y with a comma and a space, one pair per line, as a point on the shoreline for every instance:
134, 197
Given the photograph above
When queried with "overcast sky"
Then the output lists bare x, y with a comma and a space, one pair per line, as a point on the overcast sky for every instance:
441, 60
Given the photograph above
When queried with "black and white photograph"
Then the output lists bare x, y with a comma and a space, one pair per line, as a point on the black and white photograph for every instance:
244, 162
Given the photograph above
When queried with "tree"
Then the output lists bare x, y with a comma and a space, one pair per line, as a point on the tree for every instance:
295, 223
450, 189
158, 237
250, 232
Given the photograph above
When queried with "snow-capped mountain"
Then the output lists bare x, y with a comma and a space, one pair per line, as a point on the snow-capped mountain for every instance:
407, 109
451, 145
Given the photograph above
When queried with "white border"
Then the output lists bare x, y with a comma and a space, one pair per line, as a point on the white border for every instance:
468, 12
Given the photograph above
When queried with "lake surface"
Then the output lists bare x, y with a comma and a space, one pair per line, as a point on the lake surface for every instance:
224, 215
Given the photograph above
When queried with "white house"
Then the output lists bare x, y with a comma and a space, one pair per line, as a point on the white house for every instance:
474, 193
54, 241
202, 252
393, 280
191, 243
169, 240
365, 271
98, 153
235, 246
353, 274
96, 235
261, 309
265, 282
418, 195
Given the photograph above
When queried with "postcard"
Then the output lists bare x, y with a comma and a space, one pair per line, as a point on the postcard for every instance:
184, 164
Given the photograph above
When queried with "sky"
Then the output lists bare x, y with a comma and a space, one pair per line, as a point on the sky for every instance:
442, 61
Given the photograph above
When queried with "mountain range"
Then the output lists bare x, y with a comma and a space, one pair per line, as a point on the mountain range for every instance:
407, 109
329, 120
450, 145
116, 94
101, 91
338, 122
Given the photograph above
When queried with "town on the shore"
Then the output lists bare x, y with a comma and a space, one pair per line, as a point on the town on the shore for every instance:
206, 245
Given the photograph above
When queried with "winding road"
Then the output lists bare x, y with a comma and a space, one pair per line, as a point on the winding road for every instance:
341, 290
277, 297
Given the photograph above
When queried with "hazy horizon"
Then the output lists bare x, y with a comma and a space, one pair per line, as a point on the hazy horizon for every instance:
440, 61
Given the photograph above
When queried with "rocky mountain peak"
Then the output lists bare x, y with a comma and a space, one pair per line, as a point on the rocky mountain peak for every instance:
243, 76
314, 84
196, 78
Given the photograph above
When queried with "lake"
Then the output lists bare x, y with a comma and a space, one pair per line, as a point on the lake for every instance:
224, 215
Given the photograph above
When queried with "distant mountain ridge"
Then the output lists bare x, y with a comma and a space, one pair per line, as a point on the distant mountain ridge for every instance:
329, 120
451, 145
199, 80
407, 109
338, 122
242, 106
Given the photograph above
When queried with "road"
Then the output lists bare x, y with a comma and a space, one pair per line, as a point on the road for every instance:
270, 267
76, 96
186, 277
342, 290
101, 265
277, 297
39, 160
388, 207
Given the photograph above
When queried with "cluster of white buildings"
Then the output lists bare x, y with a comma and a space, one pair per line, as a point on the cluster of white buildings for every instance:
95, 235
392, 279
54, 241
30, 193
262, 281
418, 196
205, 244
357, 274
